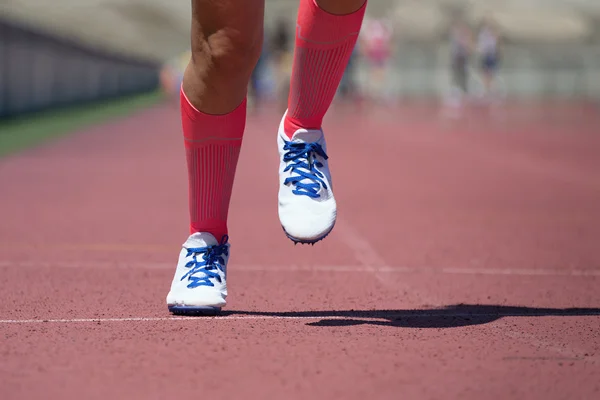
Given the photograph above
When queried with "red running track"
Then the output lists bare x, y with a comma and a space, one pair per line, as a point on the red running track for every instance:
465, 264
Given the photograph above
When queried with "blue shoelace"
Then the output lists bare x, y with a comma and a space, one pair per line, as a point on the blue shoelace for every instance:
213, 261
303, 165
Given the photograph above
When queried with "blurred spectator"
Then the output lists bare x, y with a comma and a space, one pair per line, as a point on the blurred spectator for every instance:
282, 56
461, 49
348, 85
171, 76
258, 87
376, 45
488, 47
167, 80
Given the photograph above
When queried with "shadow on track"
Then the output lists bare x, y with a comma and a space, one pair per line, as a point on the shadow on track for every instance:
447, 317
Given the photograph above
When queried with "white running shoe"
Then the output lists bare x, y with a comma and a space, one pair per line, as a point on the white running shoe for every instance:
307, 208
199, 286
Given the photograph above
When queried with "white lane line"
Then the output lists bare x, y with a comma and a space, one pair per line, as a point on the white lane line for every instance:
369, 258
156, 319
324, 316
238, 318
363, 250
371, 267
520, 271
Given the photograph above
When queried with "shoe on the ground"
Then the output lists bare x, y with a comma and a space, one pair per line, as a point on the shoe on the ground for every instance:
199, 286
307, 208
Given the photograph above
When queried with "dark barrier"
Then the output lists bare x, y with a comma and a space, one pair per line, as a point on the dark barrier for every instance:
39, 72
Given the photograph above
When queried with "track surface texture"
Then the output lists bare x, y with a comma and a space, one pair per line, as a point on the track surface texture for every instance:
465, 264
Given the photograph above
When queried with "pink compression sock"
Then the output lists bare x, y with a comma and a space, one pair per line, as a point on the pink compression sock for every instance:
324, 44
212, 146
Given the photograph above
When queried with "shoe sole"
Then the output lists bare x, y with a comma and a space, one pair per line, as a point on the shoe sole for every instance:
303, 241
195, 310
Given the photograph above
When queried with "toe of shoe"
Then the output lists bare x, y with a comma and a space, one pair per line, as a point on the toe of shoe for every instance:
195, 298
307, 224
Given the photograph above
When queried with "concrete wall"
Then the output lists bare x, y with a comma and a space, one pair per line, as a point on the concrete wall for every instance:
38, 72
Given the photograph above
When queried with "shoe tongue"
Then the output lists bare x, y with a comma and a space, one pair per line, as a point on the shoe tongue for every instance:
201, 239
307, 135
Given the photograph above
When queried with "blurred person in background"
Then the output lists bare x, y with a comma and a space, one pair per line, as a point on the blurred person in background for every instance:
349, 85
167, 80
376, 45
461, 50
171, 76
488, 46
281, 50
226, 41
257, 89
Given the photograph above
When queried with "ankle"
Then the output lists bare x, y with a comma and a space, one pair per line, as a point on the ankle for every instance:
291, 124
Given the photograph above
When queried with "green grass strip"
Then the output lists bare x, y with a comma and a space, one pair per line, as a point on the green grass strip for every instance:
31, 130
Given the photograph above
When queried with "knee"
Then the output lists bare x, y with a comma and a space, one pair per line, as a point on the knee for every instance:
227, 54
